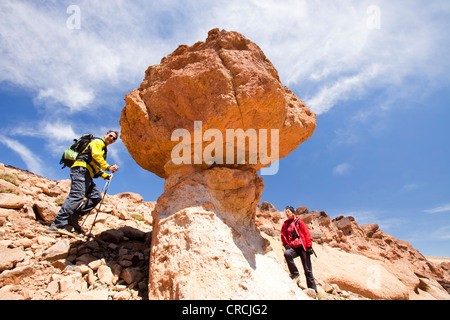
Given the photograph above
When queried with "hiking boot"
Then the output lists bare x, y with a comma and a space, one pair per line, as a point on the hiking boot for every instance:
294, 276
54, 229
73, 221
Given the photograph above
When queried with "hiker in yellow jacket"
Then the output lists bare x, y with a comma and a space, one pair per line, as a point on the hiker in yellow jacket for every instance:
91, 163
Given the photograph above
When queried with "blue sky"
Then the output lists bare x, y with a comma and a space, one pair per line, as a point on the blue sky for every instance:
375, 72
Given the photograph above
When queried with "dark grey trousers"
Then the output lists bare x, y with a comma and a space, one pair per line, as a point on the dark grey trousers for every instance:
82, 186
290, 254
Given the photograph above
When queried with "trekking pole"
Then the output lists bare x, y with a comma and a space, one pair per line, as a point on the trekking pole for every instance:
314, 252
84, 220
89, 235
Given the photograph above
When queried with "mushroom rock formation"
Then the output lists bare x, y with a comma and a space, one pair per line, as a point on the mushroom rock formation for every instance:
206, 119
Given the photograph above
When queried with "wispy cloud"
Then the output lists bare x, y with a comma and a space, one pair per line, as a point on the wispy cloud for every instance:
341, 169
439, 209
323, 49
442, 233
340, 90
329, 51
73, 68
57, 135
32, 161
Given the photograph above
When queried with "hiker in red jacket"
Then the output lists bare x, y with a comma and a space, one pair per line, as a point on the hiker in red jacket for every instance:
296, 240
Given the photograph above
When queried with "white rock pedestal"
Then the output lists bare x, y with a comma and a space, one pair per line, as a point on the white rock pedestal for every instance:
205, 243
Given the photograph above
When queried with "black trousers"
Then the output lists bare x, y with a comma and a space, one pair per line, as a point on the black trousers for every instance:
290, 254
82, 186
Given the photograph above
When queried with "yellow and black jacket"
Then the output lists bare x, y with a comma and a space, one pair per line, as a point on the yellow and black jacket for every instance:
93, 158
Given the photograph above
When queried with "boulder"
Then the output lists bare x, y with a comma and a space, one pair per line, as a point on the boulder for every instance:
206, 119
57, 251
301, 210
224, 83
133, 197
46, 211
114, 236
11, 201
16, 275
8, 187
358, 274
105, 274
131, 275
10, 257
370, 229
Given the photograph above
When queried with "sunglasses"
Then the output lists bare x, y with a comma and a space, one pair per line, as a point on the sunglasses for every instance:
112, 136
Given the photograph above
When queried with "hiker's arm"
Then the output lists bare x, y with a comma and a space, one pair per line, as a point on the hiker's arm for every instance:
104, 175
97, 154
100, 173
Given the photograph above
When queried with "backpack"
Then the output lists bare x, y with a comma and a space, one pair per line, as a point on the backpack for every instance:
70, 155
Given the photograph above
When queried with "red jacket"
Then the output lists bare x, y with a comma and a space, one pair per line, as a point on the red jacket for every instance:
286, 234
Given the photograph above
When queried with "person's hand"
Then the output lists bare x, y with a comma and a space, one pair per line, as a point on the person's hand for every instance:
287, 247
109, 177
309, 251
113, 168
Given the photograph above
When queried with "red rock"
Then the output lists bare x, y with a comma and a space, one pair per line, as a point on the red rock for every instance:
11, 201
225, 82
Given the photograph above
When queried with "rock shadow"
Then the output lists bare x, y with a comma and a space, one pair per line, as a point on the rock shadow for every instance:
126, 251
247, 238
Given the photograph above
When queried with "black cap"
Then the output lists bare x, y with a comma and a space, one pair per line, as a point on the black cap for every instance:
290, 208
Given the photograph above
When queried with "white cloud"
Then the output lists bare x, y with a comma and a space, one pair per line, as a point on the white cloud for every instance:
341, 90
327, 51
57, 135
439, 209
323, 48
59, 131
341, 169
71, 68
32, 161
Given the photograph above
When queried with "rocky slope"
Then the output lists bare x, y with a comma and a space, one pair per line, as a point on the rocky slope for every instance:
353, 262
35, 265
362, 259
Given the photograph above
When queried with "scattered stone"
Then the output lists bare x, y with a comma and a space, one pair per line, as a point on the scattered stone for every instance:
6, 293
59, 250
310, 293
11, 201
105, 274
36, 265
46, 211
131, 275
94, 265
10, 257
15, 276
